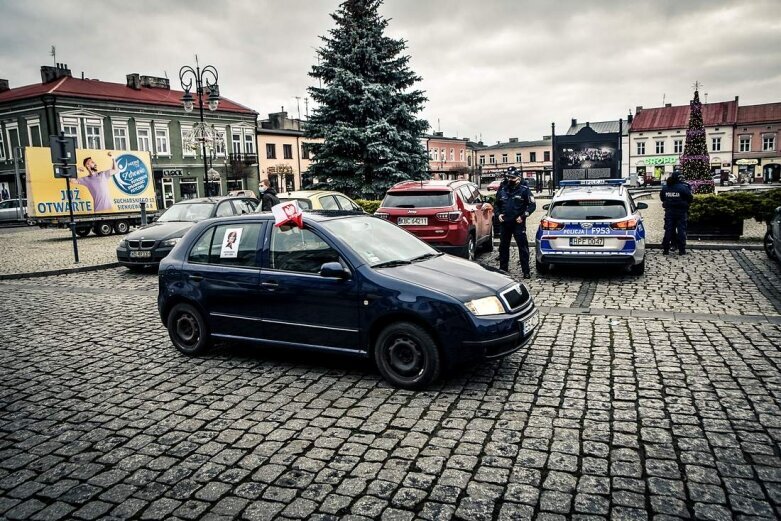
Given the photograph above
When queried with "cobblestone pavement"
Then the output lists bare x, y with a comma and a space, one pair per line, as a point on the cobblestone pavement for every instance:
655, 403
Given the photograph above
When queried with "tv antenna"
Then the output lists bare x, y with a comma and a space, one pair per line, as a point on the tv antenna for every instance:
298, 104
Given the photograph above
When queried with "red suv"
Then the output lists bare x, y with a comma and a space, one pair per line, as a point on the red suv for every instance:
449, 215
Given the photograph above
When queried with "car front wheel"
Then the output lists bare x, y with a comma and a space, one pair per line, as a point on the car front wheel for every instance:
407, 356
187, 329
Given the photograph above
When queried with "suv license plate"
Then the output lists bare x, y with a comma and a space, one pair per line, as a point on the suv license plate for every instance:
140, 254
587, 241
412, 221
530, 323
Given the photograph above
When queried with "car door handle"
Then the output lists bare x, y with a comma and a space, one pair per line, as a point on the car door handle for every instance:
271, 284
195, 278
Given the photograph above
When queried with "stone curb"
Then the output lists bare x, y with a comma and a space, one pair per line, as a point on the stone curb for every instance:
63, 271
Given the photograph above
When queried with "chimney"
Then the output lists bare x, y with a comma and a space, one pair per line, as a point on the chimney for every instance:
49, 73
438, 134
4, 86
513, 140
134, 81
574, 122
629, 118
154, 82
638, 109
668, 105
737, 98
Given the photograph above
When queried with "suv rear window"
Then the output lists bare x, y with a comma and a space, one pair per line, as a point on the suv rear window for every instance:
418, 199
588, 210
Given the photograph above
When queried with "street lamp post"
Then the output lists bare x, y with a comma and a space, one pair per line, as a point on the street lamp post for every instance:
205, 86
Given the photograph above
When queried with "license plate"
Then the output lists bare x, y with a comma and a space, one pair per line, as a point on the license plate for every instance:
587, 241
412, 221
530, 323
140, 254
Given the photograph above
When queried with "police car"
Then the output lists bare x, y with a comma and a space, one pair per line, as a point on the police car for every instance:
592, 222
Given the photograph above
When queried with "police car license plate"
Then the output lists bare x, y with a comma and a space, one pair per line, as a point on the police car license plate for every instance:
412, 221
587, 241
140, 254
530, 323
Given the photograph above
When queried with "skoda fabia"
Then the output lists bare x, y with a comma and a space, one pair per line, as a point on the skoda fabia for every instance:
344, 283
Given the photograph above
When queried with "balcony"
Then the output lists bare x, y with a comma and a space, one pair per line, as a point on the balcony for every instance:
242, 159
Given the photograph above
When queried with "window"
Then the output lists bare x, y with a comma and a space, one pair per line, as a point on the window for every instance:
482, 160
546, 155
287, 151
678, 146
660, 147
2, 147
119, 135
224, 210
249, 143
461, 156
640, 148
452, 154
228, 244
144, 137
347, 204
518, 157
70, 128
12, 133
271, 151
492, 159
745, 144
444, 154
328, 202
187, 144
161, 141
504, 158
532, 157
236, 143
94, 132
219, 143
768, 143
294, 249
715, 144
34, 133
435, 154
304, 151
189, 188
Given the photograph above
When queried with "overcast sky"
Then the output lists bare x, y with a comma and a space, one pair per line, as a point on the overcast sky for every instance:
493, 68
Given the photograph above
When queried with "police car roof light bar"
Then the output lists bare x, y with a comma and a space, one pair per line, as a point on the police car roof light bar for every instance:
591, 182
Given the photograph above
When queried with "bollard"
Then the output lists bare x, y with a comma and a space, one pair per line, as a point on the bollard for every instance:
143, 213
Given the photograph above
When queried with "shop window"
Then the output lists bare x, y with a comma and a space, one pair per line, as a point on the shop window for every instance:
188, 187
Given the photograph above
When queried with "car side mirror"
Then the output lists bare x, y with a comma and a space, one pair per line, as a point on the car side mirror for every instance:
641, 206
545, 207
334, 270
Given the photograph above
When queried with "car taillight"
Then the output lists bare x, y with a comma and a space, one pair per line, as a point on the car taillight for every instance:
629, 224
551, 225
449, 216
382, 215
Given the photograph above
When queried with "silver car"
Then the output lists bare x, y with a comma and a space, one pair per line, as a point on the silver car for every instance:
9, 210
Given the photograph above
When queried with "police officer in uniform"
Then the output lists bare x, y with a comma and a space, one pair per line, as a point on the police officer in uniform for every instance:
676, 197
513, 201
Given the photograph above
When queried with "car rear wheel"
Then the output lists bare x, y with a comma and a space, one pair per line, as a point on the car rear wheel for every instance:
468, 250
769, 243
542, 267
638, 269
121, 227
187, 329
407, 356
103, 228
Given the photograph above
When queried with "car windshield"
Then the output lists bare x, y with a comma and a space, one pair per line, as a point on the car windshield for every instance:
305, 204
189, 212
588, 210
418, 199
378, 242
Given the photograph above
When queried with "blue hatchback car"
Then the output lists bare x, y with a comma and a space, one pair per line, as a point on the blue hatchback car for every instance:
344, 283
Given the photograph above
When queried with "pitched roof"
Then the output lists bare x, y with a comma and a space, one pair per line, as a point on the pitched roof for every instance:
765, 113
520, 144
103, 90
662, 118
600, 127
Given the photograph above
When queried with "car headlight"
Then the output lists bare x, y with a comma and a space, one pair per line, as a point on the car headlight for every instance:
170, 242
485, 306
122, 244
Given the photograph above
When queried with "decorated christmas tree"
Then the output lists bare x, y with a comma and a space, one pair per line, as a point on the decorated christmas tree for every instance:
695, 162
366, 107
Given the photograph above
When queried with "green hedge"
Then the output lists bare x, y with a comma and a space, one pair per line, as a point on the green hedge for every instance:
368, 206
735, 206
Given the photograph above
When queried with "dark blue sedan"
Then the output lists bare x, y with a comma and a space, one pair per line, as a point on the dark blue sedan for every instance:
344, 283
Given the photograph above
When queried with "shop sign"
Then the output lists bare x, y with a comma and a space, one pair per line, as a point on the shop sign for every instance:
281, 169
172, 172
662, 160
747, 162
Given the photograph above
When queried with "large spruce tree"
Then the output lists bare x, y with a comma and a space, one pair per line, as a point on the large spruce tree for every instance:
695, 162
366, 106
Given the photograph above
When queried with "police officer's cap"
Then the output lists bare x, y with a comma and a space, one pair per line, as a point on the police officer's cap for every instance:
512, 172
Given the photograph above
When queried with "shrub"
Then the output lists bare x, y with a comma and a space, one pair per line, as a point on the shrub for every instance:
368, 206
735, 206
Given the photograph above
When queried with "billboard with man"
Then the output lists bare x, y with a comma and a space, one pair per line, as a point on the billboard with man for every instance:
108, 181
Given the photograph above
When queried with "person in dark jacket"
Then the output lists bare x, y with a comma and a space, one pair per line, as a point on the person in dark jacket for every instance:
268, 196
676, 197
513, 200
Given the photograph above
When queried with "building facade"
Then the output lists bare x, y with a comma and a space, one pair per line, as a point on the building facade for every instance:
448, 157
143, 114
284, 153
532, 158
757, 151
657, 137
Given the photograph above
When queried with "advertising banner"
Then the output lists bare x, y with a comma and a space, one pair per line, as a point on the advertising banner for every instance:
108, 181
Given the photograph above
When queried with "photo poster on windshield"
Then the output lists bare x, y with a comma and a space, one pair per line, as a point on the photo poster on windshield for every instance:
230, 243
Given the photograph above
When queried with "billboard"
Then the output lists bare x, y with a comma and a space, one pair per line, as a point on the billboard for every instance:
587, 155
108, 181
